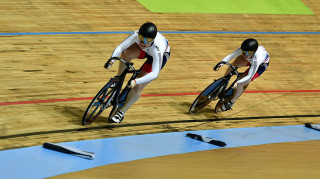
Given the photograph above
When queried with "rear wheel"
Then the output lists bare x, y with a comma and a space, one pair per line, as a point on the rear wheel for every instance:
206, 96
226, 98
99, 103
218, 109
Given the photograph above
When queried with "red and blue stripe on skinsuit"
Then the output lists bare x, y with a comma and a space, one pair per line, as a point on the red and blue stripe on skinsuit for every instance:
261, 68
147, 66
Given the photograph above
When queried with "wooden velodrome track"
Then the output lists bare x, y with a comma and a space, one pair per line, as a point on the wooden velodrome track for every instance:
35, 68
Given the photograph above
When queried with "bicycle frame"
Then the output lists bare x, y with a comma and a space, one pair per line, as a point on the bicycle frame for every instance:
224, 91
217, 90
120, 96
226, 94
110, 96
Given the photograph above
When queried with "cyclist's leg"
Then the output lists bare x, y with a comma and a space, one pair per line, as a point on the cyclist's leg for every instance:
239, 62
146, 68
130, 53
242, 87
134, 94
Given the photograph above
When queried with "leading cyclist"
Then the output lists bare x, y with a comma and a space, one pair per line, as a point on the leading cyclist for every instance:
249, 54
148, 43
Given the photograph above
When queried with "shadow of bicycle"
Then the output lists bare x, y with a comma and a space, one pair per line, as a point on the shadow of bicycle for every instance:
75, 114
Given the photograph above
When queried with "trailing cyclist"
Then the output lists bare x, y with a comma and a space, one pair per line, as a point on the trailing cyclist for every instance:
148, 43
249, 54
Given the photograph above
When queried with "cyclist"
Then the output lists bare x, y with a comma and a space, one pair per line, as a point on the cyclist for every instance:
249, 54
148, 43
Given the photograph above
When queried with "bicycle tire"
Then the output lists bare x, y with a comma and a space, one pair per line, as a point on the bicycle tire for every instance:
206, 96
99, 103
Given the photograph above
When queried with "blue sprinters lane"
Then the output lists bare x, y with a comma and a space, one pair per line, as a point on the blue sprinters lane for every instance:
38, 162
165, 32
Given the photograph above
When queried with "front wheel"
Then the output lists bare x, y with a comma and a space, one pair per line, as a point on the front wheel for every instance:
206, 96
99, 103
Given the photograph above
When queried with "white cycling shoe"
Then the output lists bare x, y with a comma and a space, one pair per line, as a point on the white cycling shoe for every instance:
118, 117
227, 106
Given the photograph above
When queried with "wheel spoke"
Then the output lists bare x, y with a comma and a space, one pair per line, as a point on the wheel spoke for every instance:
98, 105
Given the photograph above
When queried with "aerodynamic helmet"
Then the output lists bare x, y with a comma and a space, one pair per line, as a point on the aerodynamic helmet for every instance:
249, 46
147, 32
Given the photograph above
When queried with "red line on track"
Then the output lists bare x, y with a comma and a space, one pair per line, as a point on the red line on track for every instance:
148, 95
285, 91
44, 101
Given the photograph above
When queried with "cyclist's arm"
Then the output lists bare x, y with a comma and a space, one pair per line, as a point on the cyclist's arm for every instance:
259, 58
252, 71
228, 58
124, 45
157, 60
233, 55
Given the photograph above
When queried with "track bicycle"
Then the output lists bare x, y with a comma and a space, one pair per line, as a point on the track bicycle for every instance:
111, 94
217, 90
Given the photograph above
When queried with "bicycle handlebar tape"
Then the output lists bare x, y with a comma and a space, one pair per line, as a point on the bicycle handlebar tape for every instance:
206, 139
308, 125
69, 150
